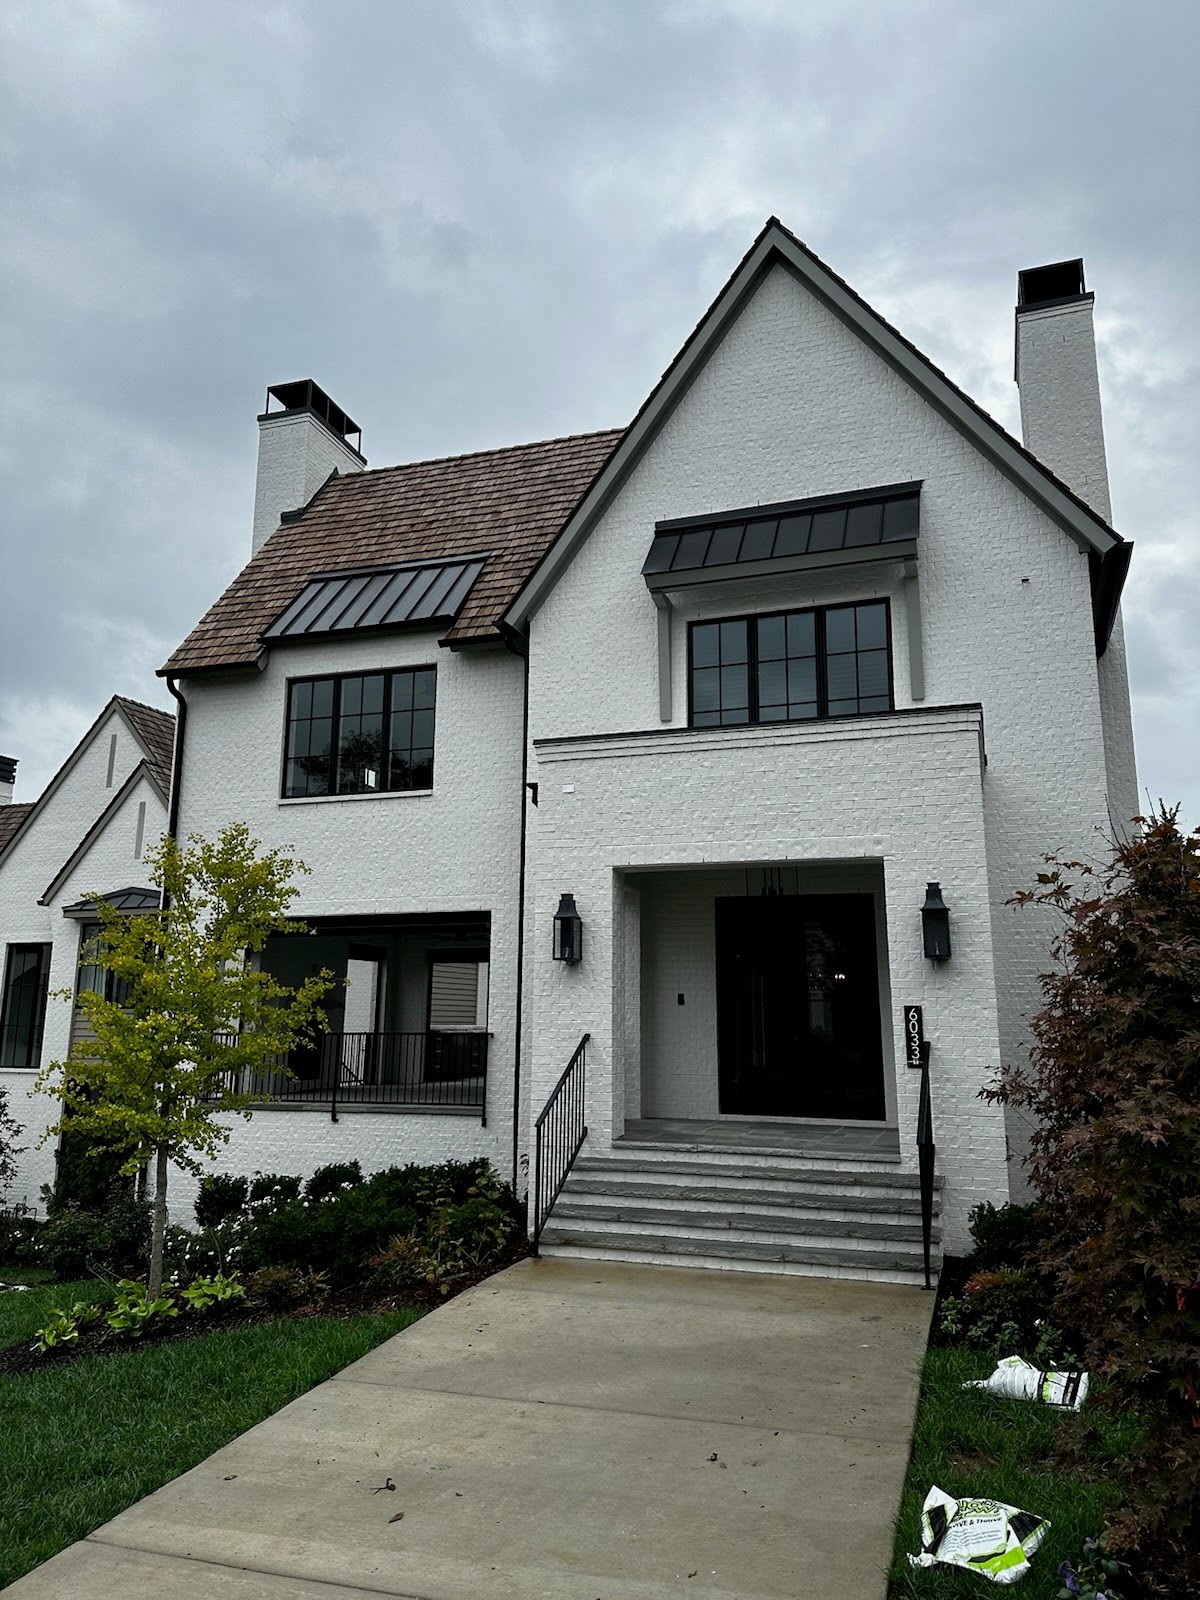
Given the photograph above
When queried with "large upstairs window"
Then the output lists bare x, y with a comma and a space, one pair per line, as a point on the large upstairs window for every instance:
23, 1009
366, 734
829, 661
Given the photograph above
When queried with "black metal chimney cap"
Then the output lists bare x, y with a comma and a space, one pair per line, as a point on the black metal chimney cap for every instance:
305, 395
8, 769
1056, 284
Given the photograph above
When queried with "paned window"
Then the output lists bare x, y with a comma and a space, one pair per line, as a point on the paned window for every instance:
92, 976
23, 1012
831, 661
360, 734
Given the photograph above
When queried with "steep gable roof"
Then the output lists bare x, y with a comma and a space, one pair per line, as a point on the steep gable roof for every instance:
11, 818
778, 246
155, 733
508, 504
142, 770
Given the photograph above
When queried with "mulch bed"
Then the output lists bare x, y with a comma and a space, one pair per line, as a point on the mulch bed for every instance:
357, 1300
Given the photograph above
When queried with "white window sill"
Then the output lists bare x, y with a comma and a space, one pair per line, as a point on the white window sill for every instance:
341, 799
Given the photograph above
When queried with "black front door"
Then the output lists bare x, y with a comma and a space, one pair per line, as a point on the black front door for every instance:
798, 1007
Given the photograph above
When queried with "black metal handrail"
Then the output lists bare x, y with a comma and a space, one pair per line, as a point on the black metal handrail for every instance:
415, 1070
558, 1135
925, 1155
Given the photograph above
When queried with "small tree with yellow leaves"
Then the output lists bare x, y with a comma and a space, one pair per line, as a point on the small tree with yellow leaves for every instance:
198, 1026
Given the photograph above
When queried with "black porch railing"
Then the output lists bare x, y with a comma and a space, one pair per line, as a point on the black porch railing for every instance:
417, 1070
925, 1155
558, 1134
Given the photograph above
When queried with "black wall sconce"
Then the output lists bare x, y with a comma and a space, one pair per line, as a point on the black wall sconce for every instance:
935, 922
568, 931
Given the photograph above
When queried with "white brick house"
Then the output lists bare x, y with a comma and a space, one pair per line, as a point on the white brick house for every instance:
88, 833
742, 679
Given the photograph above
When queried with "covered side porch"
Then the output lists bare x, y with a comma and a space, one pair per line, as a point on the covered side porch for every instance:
407, 1017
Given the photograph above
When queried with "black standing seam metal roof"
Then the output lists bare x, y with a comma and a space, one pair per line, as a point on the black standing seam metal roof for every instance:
118, 899
793, 528
377, 597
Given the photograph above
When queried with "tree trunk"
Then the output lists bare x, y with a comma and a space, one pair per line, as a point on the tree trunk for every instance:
159, 1227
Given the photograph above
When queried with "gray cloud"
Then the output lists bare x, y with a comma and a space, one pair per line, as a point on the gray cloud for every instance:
488, 222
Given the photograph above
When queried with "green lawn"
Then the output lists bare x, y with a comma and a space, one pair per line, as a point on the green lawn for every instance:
82, 1442
967, 1442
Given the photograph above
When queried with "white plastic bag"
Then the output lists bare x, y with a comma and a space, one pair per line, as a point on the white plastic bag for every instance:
985, 1536
1015, 1379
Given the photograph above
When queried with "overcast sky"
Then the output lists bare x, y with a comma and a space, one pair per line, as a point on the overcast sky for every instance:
482, 223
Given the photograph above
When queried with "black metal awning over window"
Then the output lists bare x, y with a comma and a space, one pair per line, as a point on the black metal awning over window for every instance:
796, 533
378, 597
126, 900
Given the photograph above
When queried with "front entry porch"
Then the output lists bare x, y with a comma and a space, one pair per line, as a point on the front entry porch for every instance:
763, 994
826, 1141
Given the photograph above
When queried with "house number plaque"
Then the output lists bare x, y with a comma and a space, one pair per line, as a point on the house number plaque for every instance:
914, 1037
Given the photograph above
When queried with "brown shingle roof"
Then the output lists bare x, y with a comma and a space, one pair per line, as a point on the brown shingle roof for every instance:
11, 818
509, 503
156, 730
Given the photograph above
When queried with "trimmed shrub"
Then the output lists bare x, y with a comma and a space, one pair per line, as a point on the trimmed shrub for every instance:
273, 1186
345, 1219
1006, 1236
328, 1180
114, 1242
221, 1196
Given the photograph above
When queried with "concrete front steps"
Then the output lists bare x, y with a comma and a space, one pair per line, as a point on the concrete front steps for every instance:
765, 1211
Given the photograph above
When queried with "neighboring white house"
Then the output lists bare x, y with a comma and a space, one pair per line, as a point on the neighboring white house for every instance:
87, 835
741, 685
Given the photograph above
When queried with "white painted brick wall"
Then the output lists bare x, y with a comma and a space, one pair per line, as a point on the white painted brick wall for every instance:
26, 871
793, 404
1062, 423
296, 453
456, 849
779, 793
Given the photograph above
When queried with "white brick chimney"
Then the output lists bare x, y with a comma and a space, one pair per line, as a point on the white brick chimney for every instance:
1057, 379
8, 778
1062, 425
299, 445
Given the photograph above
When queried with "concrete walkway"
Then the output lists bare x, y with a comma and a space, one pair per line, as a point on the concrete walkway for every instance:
566, 1430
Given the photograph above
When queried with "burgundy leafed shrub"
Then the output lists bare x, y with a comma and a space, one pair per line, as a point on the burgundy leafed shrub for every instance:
1114, 1083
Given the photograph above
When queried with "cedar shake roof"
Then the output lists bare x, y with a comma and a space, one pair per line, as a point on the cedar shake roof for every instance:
156, 730
506, 504
11, 818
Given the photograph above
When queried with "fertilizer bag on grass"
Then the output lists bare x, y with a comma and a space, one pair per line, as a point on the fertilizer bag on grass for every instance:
1015, 1379
985, 1536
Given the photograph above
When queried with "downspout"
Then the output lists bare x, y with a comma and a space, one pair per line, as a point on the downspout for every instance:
520, 647
176, 767
176, 758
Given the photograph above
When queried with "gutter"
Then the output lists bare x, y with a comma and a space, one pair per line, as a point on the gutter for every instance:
520, 647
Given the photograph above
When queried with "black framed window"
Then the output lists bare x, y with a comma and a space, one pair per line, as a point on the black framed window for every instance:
788, 666
360, 734
92, 976
23, 1011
